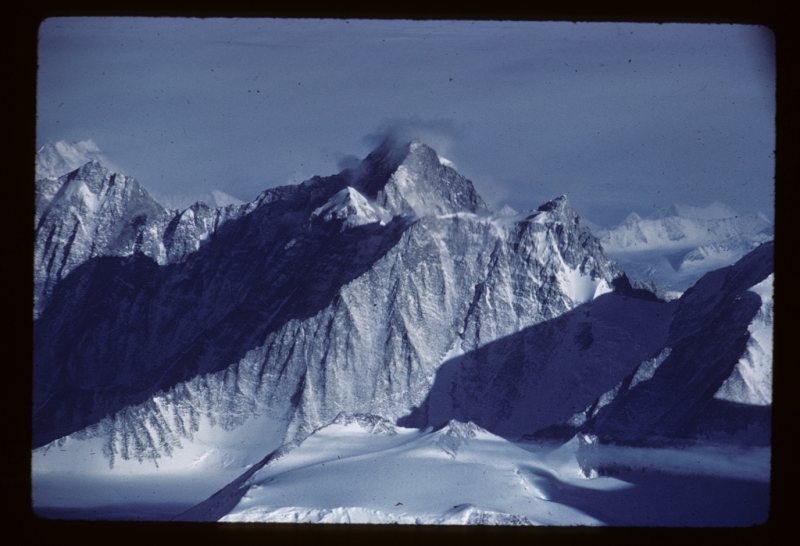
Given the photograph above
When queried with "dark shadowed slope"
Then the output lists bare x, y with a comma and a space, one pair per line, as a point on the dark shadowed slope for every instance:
117, 329
678, 397
546, 372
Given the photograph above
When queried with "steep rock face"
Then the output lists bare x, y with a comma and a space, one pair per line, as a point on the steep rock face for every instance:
419, 185
87, 213
92, 212
543, 374
447, 282
712, 378
283, 311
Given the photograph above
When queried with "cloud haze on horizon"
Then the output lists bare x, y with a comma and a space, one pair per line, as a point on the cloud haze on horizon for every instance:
620, 117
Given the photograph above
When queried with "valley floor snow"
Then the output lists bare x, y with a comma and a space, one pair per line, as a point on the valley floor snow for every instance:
461, 474
71, 477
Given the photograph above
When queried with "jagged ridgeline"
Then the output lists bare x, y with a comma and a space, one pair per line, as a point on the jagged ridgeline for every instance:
388, 289
342, 293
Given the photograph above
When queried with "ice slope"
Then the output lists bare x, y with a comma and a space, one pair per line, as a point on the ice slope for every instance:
347, 472
677, 246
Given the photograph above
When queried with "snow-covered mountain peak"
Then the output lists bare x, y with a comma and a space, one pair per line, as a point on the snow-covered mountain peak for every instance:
631, 219
421, 153
201, 339
410, 179
84, 187
374, 424
715, 211
559, 204
459, 429
506, 211
384, 159
351, 208
559, 210
222, 199
55, 159
416, 144
91, 212
459, 277
93, 173
676, 245
456, 434
93, 181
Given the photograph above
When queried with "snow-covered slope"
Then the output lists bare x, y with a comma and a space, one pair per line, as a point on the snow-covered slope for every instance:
362, 469
676, 246
214, 199
751, 379
367, 474
712, 380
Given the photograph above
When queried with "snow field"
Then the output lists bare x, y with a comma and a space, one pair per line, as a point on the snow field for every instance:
73, 472
582, 288
344, 474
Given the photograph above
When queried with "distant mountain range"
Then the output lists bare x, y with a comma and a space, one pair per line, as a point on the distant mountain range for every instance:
676, 246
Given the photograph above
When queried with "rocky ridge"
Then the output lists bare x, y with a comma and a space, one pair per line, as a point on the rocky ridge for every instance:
269, 307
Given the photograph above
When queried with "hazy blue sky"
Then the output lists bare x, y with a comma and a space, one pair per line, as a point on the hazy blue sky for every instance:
620, 117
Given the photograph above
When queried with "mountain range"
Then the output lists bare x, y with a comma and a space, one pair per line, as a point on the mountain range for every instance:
200, 343
675, 246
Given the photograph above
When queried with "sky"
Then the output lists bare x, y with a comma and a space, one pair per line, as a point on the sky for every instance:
621, 117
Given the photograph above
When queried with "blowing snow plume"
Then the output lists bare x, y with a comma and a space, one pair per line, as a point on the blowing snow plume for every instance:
437, 133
